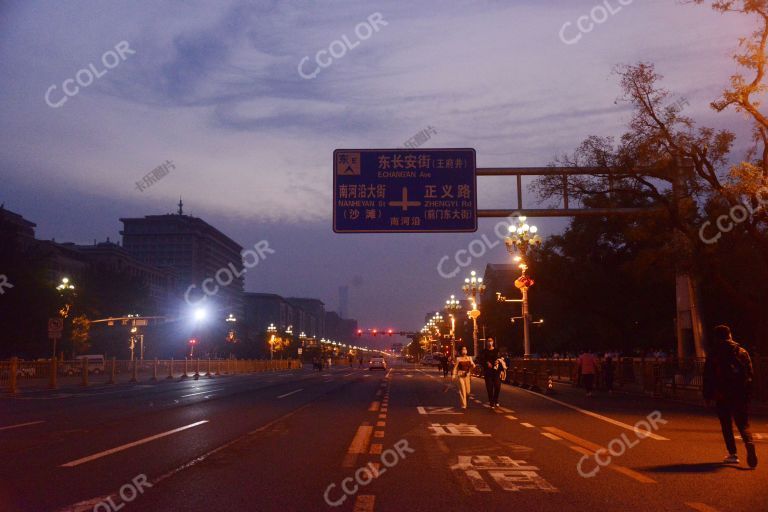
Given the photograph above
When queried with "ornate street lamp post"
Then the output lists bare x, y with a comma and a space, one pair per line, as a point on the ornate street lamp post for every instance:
271, 330
522, 238
473, 286
452, 305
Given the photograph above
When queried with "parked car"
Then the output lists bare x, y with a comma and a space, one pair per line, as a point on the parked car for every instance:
377, 363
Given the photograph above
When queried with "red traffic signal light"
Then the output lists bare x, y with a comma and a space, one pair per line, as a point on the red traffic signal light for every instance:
389, 332
193, 341
374, 332
359, 332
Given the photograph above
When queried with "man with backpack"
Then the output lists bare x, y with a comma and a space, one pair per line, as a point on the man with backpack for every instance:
728, 382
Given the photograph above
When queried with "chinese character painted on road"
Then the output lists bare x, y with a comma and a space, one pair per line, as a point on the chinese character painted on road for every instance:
457, 429
510, 474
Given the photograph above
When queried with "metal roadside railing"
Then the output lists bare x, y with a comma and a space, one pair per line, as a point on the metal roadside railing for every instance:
669, 377
16, 374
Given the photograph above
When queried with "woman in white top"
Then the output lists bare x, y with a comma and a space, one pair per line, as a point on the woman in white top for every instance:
462, 371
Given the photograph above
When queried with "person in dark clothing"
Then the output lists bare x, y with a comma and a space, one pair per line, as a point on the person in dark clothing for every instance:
728, 382
447, 365
608, 371
492, 366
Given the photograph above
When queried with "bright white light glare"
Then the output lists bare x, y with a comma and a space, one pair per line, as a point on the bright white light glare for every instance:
523, 218
512, 229
200, 314
534, 229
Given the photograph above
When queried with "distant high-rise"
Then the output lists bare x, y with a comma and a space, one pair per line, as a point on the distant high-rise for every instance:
202, 256
343, 301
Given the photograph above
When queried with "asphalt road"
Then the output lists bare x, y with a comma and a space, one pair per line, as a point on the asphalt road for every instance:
350, 439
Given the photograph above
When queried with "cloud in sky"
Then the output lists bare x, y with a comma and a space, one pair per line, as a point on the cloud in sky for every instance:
214, 86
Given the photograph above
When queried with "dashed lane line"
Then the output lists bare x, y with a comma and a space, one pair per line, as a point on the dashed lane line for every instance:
589, 448
358, 446
19, 425
527, 425
644, 433
615, 467
123, 447
701, 507
201, 392
291, 393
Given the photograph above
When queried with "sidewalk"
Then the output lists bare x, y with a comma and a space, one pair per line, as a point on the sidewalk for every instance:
567, 391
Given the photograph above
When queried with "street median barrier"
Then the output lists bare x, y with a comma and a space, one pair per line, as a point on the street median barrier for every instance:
17, 375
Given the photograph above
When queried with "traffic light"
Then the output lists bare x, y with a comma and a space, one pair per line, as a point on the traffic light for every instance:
389, 332
374, 332
359, 332
193, 341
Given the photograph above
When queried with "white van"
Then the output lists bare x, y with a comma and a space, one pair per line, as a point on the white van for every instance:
97, 364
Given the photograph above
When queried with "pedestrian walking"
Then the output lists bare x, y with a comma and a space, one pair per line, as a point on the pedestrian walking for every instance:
492, 368
462, 373
587, 370
447, 364
728, 383
361, 362
609, 368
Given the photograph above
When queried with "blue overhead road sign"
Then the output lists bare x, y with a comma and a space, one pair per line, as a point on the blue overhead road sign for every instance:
404, 190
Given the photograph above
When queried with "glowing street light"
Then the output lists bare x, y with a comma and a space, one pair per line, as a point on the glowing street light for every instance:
521, 239
473, 286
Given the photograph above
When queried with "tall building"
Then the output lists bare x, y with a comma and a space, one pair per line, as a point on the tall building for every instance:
343, 301
310, 316
160, 283
207, 262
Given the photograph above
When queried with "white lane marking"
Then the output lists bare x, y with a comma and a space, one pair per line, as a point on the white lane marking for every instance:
551, 436
511, 417
643, 433
527, 425
291, 393
130, 445
18, 425
201, 392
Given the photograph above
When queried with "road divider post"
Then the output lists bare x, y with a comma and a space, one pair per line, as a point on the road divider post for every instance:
12, 388
52, 377
84, 371
154, 371
170, 370
112, 370
134, 371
